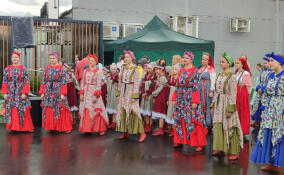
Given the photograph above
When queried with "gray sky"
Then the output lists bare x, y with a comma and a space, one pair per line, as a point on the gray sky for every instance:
28, 7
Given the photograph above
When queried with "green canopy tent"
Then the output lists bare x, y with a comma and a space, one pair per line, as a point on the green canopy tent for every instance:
156, 40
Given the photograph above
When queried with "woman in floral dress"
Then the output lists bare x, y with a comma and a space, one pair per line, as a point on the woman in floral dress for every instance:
56, 113
207, 78
269, 148
147, 87
128, 117
16, 88
172, 82
92, 112
189, 122
112, 84
227, 132
260, 88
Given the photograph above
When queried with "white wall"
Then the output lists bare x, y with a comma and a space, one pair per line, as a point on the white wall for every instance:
214, 21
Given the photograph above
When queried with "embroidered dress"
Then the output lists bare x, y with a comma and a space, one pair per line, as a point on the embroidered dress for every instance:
227, 132
256, 111
72, 85
243, 106
189, 123
207, 78
112, 84
128, 115
56, 113
270, 141
93, 116
160, 94
172, 83
17, 111
148, 84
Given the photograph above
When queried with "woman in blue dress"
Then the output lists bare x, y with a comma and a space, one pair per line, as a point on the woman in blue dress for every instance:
269, 148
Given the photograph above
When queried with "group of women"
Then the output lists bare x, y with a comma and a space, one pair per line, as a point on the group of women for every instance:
186, 100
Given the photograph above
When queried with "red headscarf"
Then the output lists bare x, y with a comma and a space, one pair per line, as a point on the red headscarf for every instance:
211, 63
17, 53
245, 65
94, 56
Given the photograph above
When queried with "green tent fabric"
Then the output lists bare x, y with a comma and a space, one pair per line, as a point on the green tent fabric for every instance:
156, 40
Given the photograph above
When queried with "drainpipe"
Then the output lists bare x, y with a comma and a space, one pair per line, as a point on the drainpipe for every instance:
277, 26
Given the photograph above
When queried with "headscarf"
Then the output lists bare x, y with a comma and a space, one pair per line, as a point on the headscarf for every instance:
113, 65
245, 65
228, 58
130, 53
159, 67
190, 54
211, 63
53, 54
278, 58
94, 56
17, 53
151, 65
266, 59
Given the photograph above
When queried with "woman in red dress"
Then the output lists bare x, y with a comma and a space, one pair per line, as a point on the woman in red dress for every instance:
93, 115
243, 75
56, 113
16, 88
189, 122
160, 95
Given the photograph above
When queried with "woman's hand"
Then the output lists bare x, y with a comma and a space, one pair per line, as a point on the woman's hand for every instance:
228, 114
5, 97
194, 105
81, 97
95, 99
62, 97
41, 96
24, 96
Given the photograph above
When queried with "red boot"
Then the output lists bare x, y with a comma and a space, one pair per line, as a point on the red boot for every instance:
233, 157
124, 135
159, 132
171, 132
142, 137
147, 128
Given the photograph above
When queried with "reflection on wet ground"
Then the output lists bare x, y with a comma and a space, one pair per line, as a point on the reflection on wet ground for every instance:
41, 153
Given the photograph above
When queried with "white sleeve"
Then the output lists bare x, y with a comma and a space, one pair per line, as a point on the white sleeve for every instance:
212, 80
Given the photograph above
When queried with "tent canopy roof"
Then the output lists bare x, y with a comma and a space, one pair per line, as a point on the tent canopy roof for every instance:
156, 35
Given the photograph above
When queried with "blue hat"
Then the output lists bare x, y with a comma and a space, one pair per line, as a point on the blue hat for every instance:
278, 58
266, 59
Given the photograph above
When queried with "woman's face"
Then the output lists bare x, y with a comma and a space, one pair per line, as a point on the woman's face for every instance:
113, 70
127, 59
258, 68
205, 60
76, 58
175, 71
224, 63
158, 71
266, 64
186, 60
53, 60
274, 65
15, 59
162, 62
92, 62
174, 61
238, 64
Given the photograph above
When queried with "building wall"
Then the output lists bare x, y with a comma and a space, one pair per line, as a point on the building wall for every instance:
214, 21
